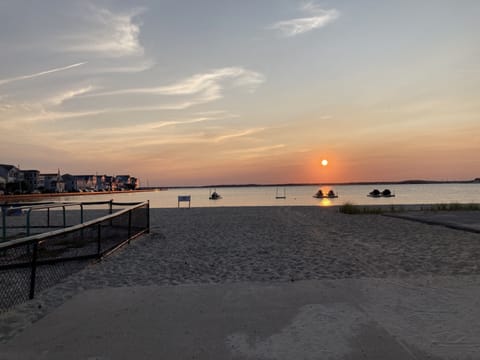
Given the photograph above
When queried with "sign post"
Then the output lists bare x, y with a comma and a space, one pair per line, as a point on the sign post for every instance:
184, 198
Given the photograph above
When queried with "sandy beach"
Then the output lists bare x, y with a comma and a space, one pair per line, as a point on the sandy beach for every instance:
418, 283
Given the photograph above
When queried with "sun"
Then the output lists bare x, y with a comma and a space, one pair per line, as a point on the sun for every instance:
324, 162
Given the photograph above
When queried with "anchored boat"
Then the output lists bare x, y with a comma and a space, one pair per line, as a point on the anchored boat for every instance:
321, 195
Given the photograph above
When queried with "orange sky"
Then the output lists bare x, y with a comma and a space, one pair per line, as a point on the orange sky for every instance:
385, 92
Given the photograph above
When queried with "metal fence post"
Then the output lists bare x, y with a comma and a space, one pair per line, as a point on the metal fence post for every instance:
34, 270
148, 216
129, 225
28, 221
110, 210
48, 217
81, 222
99, 239
4, 223
64, 217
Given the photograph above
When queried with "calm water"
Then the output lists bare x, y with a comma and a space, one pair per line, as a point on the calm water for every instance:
300, 195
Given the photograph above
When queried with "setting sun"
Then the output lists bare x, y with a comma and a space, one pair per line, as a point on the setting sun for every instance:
324, 162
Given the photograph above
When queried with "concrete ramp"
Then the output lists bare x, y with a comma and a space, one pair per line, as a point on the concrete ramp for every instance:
434, 318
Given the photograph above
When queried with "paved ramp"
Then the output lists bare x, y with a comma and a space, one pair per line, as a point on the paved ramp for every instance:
460, 220
434, 318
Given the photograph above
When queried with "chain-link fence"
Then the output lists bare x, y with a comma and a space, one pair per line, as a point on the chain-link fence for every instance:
31, 264
24, 219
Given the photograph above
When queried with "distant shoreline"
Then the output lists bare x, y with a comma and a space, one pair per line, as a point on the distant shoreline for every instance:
403, 182
26, 197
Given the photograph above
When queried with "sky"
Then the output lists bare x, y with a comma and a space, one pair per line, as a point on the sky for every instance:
237, 92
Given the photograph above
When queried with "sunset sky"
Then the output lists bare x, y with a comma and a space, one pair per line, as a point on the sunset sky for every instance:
248, 91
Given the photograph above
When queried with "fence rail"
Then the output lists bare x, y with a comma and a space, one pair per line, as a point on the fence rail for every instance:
35, 262
16, 212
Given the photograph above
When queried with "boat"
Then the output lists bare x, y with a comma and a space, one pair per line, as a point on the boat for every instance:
387, 193
330, 195
214, 196
376, 193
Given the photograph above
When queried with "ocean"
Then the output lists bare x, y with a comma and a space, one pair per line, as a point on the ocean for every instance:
299, 195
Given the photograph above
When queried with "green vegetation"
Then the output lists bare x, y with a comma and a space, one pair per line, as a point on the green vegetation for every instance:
351, 209
454, 207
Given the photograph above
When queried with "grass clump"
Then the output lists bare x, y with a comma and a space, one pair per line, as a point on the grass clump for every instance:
351, 209
455, 207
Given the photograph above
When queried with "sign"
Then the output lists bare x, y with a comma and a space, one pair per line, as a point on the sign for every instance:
184, 198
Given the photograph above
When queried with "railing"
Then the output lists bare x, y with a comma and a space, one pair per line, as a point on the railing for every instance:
10, 211
36, 262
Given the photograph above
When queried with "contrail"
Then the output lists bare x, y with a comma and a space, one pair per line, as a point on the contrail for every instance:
25, 77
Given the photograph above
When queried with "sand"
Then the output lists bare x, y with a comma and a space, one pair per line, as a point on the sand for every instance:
406, 269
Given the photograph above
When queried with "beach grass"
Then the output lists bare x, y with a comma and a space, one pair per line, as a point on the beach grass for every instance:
351, 209
454, 207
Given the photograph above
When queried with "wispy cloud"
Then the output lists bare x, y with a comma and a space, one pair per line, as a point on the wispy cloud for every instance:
238, 134
42, 73
108, 33
207, 83
36, 113
61, 98
319, 18
198, 89
142, 138
149, 127
135, 67
259, 149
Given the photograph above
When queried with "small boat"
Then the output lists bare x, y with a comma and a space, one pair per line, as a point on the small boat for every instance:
376, 193
215, 196
330, 195
387, 193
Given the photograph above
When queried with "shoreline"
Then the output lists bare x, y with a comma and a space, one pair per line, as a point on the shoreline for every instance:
369, 183
5, 199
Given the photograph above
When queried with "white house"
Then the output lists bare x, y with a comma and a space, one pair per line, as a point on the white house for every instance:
10, 173
51, 182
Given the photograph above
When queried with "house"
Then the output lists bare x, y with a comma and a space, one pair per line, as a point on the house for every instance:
12, 179
10, 173
3, 184
101, 184
134, 183
109, 183
126, 182
69, 182
122, 181
85, 182
51, 182
30, 178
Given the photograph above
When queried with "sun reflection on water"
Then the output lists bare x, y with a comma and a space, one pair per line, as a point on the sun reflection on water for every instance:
325, 202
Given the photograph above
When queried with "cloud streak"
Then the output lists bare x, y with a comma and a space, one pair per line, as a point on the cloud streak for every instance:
320, 18
42, 73
110, 34
143, 136
148, 128
200, 88
61, 98
238, 134
207, 83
